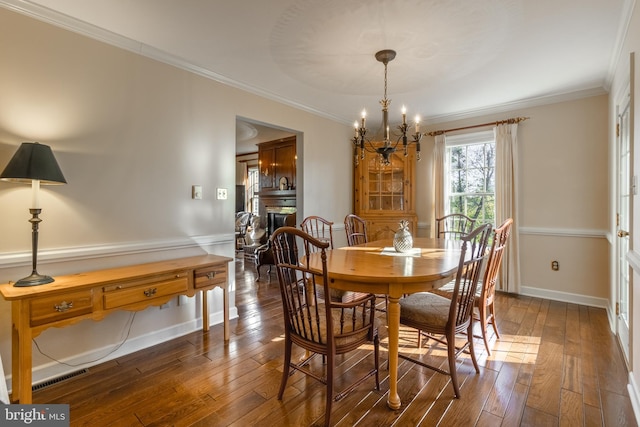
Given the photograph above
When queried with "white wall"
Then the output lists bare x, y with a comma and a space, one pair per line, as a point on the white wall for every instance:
563, 196
132, 135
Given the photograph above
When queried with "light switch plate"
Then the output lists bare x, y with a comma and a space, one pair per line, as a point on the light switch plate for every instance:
196, 192
221, 194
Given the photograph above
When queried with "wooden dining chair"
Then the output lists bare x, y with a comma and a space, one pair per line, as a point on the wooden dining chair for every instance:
319, 228
442, 319
318, 325
356, 229
454, 226
264, 253
485, 294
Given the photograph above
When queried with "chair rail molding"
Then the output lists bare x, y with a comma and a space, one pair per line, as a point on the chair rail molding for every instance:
565, 232
19, 259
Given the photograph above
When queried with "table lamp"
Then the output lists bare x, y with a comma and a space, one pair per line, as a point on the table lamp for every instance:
33, 163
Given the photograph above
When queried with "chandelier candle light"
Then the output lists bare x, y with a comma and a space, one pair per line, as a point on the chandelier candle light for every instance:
387, 148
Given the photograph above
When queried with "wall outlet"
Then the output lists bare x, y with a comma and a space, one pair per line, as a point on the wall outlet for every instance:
221, 194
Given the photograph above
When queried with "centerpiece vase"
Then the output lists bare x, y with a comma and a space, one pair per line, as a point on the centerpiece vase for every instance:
402, 241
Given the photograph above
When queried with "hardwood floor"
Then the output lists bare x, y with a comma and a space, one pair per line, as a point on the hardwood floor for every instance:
556, 364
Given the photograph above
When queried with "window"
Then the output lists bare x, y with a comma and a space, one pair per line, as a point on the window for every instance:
470, 175
253, 186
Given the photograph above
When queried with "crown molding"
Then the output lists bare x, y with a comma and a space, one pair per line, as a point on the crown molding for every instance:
518, 105
623, 30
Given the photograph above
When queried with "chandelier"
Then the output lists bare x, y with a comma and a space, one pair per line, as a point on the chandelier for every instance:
362, 144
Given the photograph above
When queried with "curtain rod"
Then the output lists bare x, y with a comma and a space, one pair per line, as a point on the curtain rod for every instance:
499, 122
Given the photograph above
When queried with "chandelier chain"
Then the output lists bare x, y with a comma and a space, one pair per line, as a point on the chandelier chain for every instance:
385, 81
384, 101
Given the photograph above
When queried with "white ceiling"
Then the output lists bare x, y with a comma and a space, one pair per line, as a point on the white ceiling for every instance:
455, 58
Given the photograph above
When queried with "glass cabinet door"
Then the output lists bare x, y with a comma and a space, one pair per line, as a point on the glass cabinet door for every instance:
386, 184
383, 188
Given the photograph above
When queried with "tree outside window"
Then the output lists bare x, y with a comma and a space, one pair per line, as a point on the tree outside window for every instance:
471, 176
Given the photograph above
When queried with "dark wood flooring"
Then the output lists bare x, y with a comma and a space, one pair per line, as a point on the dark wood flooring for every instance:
556, 364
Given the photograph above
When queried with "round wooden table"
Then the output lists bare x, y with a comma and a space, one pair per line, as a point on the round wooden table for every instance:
376, 268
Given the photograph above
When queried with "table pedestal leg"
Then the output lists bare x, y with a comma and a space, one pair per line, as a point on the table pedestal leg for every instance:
393, 323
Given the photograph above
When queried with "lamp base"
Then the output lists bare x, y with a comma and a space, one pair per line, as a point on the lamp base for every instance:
34, 279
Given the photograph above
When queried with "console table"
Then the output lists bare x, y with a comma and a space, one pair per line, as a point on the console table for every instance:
94, 294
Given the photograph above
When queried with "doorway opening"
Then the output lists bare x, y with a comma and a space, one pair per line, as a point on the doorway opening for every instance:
259, 180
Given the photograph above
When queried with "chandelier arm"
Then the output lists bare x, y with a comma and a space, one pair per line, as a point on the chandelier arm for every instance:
371, 148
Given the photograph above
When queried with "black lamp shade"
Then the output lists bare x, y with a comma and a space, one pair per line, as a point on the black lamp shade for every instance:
33, 161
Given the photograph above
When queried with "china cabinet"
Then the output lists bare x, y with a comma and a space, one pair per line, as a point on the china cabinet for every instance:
277, 163
277, 168
385, 194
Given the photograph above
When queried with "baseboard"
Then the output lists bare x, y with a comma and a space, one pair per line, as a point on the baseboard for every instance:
612, 320
51, 370
565, 297
632, 388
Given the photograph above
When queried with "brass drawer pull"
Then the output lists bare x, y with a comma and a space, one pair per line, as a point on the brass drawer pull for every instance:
150, 292
211, 275
64, 306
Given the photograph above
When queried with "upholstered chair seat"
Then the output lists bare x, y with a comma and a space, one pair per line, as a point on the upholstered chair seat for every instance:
425, 308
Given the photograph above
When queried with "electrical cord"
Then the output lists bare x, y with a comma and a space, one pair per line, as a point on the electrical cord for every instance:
132, 317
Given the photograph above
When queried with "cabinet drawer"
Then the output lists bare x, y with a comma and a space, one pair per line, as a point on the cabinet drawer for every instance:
215, 275
54, 308
145, 290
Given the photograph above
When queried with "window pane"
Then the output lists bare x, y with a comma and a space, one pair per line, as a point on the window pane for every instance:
458, 158
476, 181
491, 181
458, 182
474, 206
490, 209
475, 155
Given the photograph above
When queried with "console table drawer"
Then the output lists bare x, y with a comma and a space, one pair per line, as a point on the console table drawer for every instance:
54, 308
211, 276
144, 290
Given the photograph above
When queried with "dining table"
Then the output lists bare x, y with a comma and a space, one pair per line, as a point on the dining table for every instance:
376, 267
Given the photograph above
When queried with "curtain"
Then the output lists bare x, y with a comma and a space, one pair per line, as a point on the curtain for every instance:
438, 180
507, 202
